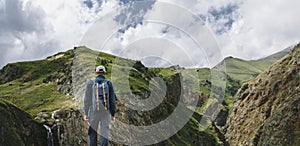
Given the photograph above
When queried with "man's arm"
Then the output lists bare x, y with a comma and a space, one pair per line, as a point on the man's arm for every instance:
88, 98
112, 100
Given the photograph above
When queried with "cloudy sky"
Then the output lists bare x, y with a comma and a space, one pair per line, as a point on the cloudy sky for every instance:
247, 29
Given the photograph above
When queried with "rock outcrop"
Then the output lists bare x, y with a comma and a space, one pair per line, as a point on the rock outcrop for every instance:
267, 109
67, 127
17, 128
9, 73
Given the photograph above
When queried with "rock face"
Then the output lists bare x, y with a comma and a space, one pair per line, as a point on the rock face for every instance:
9, 73
63, 76
267, 109
67, 127
18, 128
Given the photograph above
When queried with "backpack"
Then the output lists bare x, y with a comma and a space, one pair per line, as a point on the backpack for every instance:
102, 91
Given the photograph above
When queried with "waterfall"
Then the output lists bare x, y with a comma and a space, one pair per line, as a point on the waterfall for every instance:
49, 136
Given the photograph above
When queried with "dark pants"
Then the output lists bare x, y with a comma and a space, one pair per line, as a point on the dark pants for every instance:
103, 118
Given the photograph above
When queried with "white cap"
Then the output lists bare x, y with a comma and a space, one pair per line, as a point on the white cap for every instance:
100, 69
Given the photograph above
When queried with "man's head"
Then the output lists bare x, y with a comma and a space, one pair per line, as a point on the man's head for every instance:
100, 70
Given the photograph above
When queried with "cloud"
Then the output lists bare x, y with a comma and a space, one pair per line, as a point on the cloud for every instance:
265, 27
35, 29
248, 29
177, 45
222, 18
14, 19
239, 30
92, 3
150, 40
22, 28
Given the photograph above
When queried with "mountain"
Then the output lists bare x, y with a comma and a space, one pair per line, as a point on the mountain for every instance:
39, 85
266, 110
140, 79
50, 90
44, 89
242, 70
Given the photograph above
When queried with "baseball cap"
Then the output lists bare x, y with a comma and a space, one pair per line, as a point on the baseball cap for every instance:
100, 69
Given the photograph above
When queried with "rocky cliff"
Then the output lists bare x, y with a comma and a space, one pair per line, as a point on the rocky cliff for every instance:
267, 109
66, 125
17, 127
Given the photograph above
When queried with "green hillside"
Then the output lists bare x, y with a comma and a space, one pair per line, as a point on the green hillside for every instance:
46, 85
54, 83
243, 70
32, 86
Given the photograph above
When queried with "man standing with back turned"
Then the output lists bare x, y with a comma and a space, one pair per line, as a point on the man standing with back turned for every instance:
99, 107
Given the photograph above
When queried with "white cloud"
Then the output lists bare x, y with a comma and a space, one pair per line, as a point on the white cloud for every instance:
142, 41
149, 41
260, 28
69, 19
265, 27
22, 26
184, 31
34, 29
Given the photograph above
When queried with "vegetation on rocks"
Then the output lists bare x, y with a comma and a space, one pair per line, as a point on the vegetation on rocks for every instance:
51, 91
266, 110
18, 128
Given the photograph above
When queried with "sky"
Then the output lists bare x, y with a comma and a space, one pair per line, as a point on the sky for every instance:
247, 29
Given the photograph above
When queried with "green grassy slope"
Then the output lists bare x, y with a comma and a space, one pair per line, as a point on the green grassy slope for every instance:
37, 85
139, 78
46, 84
32, 89
243, 70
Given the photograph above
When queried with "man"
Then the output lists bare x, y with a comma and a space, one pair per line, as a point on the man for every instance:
99, 107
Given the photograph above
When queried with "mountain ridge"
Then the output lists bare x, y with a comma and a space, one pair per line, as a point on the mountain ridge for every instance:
50, 90
42, 93
240, 69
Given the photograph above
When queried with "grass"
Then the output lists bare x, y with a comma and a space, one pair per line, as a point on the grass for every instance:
35, 98
32, 95
43, 97
244, 70
191, 135
18, 127
7, 113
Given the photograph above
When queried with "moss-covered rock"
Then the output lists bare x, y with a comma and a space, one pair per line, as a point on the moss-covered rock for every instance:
267, 109
18, 128
67, 126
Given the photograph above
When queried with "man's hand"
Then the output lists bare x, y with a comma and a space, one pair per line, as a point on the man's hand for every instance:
86, 118
112, 119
